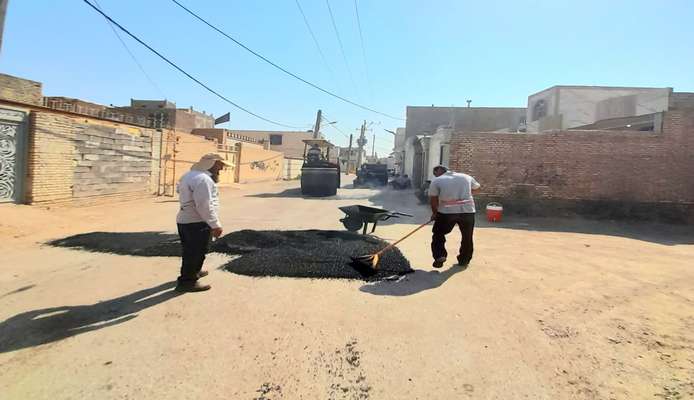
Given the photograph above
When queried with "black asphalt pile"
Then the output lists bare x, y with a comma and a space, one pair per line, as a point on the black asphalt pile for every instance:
144, 244
307, 254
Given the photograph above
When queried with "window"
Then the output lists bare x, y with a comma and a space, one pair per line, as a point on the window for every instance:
539, 110
444, 155
275, 140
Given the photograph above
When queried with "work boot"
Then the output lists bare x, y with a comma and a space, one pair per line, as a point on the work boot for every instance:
202, 273
438, 263
192, 287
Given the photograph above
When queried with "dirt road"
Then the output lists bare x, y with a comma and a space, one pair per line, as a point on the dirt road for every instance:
548, 309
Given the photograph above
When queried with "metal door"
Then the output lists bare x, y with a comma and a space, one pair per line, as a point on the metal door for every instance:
12, 159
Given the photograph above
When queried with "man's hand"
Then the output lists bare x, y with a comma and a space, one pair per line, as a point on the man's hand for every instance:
434, 202
216, 232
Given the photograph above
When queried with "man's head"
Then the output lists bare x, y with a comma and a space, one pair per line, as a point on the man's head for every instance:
439, 170
212, 163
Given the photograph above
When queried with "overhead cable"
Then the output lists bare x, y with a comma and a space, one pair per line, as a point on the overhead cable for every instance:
293, 75
181, 70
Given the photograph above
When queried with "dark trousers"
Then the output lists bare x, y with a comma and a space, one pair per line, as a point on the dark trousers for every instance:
443, 225
195, 241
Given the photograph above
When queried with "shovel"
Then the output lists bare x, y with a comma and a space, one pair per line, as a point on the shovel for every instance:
369, 263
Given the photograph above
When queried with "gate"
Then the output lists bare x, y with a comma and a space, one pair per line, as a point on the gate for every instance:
12, 155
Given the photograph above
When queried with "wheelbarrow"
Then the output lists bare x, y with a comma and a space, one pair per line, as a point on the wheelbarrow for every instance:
360, 216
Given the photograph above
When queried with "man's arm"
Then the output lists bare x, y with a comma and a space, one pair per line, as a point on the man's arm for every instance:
434, 199
475, 186
202, 196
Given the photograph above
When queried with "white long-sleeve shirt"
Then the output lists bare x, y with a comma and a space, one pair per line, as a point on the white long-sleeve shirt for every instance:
199, 199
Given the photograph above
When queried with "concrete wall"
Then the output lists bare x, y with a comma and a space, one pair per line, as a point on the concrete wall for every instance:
292, 145
257, 164
189, 149
20, 90
218, 135
76, 158
425, 120
164, 112
608, 174
583, 105
292, 168
187, 120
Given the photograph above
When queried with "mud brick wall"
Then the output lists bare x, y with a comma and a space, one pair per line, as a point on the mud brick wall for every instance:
20, 90
594, 173
76, 158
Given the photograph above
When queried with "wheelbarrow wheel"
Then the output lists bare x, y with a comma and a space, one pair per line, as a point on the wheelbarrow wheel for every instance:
351, 224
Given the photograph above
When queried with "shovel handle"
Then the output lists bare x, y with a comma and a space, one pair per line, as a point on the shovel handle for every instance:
390, 246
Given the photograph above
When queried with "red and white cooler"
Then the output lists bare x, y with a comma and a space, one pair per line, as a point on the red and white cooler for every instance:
494, 212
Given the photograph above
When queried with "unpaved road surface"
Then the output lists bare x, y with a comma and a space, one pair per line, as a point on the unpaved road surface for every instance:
548, 309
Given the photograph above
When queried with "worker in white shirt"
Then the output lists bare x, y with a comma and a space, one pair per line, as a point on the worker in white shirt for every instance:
452, 204
198, 218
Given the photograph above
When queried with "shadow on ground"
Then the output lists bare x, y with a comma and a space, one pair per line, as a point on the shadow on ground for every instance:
144, 244
413, 283
344, 193
652, 232
37, 327
403, 201
665, 234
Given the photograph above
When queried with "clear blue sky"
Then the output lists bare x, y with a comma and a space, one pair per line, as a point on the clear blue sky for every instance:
418, 53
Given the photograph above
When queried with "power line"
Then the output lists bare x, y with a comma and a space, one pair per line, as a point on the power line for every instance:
327, 122
125, 46
342, 48
293, 75
315, 41
181, 70
363, 51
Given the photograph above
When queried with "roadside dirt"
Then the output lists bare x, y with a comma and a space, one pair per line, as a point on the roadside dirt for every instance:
548, 309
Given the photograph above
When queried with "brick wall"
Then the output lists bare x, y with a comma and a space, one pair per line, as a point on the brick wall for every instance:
599, 173
74, 158
681, 100
20, 90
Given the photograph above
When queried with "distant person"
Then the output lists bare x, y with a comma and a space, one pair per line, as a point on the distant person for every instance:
395, 183
313, 154
452, 204
198, 218
402, 182
406, 182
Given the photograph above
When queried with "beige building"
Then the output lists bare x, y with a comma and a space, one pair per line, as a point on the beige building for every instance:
566, 107
288, 142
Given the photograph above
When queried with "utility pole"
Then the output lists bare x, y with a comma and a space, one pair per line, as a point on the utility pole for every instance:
316, 128
373, 146
3, 11
349, 154
361, 142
